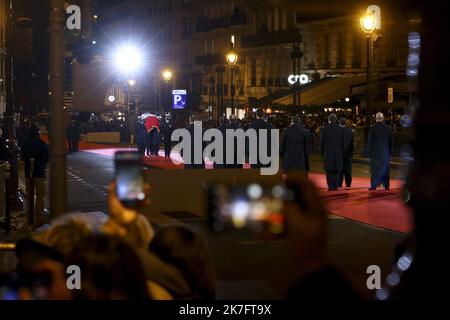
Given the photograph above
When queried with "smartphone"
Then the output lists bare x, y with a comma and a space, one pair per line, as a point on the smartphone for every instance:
129, 178
254, 207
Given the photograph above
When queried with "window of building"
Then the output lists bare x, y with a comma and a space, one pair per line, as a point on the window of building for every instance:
277, 82
270, 82
187, 26
253, 82
225, 89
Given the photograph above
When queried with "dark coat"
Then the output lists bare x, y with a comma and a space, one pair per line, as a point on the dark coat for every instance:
332, 147
35, 148
379, 145
141, 133
166, 130
294, 148
259, 124
349, 143
73, 132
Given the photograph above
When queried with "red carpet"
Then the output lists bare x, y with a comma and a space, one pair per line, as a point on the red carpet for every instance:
379, 208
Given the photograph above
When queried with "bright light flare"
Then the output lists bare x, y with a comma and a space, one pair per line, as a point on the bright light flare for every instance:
128, 59
368, 23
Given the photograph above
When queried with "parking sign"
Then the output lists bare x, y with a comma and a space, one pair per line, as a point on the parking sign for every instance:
179, 98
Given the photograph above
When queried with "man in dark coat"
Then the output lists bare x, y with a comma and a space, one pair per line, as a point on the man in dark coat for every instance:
166, 130
141, 136
379, 145
257, 125
331, 147
34, 153
294, 147
73, 136
349, 148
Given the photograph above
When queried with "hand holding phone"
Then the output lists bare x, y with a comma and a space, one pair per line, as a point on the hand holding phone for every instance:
129, 181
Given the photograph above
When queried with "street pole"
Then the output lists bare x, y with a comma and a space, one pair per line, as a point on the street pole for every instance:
232, 90
368, 69
58, 166
15, 202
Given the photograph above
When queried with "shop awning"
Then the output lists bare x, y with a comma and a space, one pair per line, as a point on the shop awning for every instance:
325, 91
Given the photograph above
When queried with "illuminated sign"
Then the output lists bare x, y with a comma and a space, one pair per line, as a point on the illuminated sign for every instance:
303, 79
179, 99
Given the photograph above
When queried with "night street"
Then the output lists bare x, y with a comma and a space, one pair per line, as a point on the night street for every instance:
282, 153
245, 265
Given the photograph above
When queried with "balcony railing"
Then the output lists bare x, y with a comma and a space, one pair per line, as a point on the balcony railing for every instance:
205, 25
267, 38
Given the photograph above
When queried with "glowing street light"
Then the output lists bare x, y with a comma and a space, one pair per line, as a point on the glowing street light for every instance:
368, 23
232, 58
111, 98
131, 83
128, 59
167, 75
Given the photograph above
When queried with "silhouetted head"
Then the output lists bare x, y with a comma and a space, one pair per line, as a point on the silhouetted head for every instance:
296, 120
186, 251
259, 114
379, 117
110, 269
332, 118
33, 132
343, 121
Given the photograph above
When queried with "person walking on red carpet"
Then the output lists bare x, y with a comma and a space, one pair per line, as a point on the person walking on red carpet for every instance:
379, 145
332, 147
153, 128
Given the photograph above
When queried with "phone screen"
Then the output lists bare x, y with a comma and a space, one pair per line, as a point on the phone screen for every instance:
254, 206
129, 178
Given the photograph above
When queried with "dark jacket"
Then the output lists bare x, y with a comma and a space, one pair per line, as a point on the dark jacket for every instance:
332, 147
35, 148
166, 130
73, 132
379, 145
349, 143
259, 124
141, 133
294, 148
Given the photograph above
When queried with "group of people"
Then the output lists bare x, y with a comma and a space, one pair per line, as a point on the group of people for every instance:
337, 147
151, 132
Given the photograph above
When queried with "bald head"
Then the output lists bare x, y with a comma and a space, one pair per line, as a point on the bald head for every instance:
379, 117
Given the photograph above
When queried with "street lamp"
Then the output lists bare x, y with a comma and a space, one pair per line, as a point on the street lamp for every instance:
368, 24
232, 59
167, 75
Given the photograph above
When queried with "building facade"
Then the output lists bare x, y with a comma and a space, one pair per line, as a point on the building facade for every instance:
192, 38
